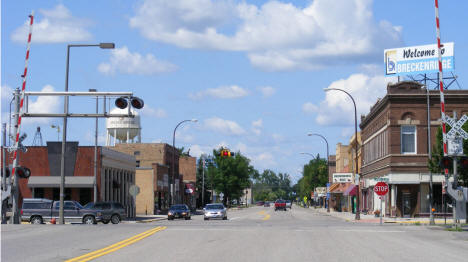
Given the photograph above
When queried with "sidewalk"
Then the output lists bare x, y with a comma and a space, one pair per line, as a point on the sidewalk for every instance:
350, 217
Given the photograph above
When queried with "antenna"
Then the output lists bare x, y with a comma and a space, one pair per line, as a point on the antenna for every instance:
37, 137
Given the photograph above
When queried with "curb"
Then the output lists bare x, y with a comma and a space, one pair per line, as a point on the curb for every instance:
149, 220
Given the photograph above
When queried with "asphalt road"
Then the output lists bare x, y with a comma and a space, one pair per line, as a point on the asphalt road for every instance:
253, 234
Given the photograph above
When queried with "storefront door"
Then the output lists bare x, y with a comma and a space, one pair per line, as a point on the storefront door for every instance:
406, 208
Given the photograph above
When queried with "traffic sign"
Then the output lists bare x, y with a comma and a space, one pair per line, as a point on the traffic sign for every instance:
457, 126
381, 188
134, 190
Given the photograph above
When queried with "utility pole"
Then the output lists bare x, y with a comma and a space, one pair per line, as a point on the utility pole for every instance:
203, 181
14, 219
429, 152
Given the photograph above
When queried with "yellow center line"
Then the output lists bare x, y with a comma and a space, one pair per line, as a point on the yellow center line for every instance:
266, 217
263, 213
116, 246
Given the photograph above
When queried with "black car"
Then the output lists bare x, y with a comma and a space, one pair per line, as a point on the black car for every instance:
111, 211
179, 211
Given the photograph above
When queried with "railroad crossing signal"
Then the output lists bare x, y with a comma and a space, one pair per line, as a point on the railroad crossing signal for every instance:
456, 126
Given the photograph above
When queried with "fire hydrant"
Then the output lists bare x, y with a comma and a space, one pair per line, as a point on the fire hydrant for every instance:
52, 221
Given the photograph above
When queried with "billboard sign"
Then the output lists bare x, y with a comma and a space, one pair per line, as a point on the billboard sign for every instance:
342, 177
422, 59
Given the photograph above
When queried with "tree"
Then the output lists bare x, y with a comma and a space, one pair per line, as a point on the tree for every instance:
231, 175
271, 186
314, 174
438, 152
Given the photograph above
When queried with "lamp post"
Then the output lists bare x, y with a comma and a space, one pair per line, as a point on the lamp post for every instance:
328, 163
304, 153
173, 157
95, 149
64, 133
357, 217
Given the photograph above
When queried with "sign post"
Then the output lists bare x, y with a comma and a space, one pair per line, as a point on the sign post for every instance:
381, 189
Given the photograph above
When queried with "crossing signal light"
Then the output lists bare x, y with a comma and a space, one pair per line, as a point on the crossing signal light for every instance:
23, 172
137, 102
446, 162
464, 163
121, 103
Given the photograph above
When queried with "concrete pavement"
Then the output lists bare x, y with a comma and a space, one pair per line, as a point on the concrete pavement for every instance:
252, 234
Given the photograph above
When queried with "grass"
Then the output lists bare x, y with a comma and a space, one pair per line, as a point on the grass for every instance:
454, 229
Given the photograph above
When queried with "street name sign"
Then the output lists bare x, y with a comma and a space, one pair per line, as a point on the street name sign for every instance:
381, 188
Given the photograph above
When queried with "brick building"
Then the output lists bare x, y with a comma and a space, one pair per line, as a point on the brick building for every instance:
395, 147
115, 174
154, 163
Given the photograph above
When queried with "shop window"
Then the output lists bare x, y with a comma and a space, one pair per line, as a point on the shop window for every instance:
408, 139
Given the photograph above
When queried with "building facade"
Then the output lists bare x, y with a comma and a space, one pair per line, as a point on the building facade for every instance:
115, 174
395, 148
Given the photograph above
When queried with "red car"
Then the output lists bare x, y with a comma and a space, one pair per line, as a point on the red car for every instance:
280, 204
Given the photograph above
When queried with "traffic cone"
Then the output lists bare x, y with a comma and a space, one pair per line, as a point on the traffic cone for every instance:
52, 221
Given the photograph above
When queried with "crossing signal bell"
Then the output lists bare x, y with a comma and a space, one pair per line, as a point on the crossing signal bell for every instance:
23, 172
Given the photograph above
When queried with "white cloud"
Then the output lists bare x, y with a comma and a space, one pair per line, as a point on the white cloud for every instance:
256, 126
56, 26
7, 94
275, 35
309, 108
43, 104
126, 62
222, 92
337, 108
151, 112
226, 127
267, 91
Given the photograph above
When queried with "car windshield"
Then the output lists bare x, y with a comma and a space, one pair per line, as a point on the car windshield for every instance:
178, 207
78, 205
214, 207
279, 201
89, 205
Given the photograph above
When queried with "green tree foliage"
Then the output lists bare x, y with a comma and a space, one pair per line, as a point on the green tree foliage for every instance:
438, 153
227, 175
314, 174
269, 186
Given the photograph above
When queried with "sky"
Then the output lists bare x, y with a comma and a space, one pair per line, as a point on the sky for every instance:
251, 72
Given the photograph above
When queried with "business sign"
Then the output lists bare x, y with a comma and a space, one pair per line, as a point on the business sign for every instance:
342, 177
418, 59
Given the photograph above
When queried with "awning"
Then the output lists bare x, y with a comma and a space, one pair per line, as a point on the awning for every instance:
351, 191
54, 181
333, 187
341, 188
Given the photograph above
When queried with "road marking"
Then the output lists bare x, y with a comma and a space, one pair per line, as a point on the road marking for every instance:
116, 246
371, 231
234, 218
263, 213
266, 217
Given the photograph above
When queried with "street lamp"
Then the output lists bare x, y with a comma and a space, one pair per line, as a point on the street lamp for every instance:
58, 131
357, 217
328, 164
173, 157
304, 153
64, 133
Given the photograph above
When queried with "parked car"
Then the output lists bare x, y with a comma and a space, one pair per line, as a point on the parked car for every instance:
179, 211
40, 210
267, 204
288, 204
111, 211
280, 204
214, 211
260, 203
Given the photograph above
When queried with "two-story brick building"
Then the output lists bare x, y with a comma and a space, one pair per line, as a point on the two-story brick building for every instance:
395, 147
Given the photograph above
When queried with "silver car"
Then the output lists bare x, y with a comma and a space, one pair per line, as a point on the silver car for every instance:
214, 211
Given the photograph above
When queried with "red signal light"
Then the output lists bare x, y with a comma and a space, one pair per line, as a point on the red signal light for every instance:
464, 162
445, 162
225, 153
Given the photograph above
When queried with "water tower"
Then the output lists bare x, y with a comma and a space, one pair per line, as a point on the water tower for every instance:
123, 129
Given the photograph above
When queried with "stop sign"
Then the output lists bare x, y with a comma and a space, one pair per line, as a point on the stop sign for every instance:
381, 188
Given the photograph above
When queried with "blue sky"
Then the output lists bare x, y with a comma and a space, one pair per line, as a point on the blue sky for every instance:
251, 72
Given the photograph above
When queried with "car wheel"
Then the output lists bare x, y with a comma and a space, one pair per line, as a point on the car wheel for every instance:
105, 221
115, 219
89, 220
205, 218
187, 218
170, 218
36, 220
224, 218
